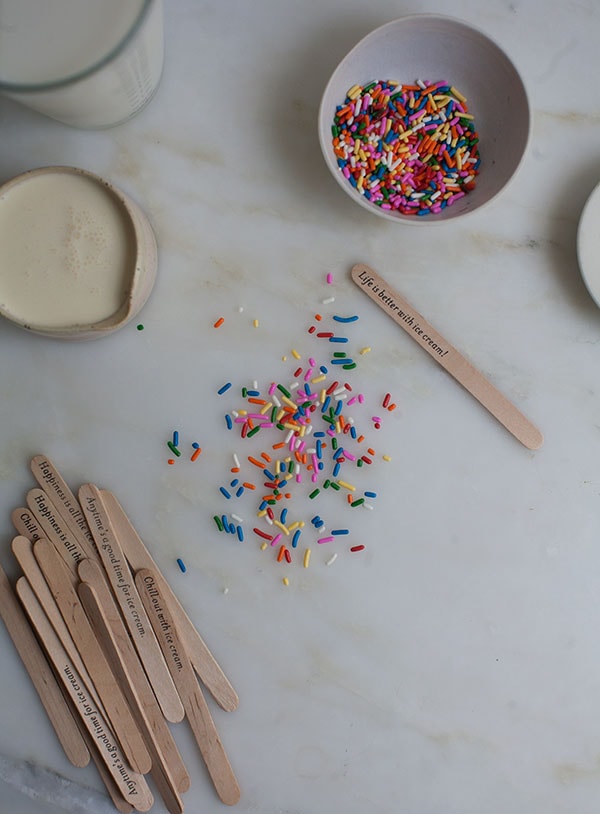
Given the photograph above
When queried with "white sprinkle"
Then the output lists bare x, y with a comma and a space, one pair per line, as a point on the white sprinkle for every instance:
331, 560
276, 401
364, 505
255, 385
236, 460
225, 590
328, 300
241, 519
294, 385
240, 309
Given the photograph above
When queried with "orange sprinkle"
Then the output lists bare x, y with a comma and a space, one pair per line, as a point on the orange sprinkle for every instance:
360, 439
233, 468
281, 554
318, 317
219, 322
171, 461
255, 462
280, 445
248, 485
266, 456
254, 400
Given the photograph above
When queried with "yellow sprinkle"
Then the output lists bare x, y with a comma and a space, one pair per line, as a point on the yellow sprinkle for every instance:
306, 557
295, 354
346, 485
458, 95
281, 526
266, 408
318, 379
255, 323
322, 396
289, 402
284, 358
387, 457
362, 351
354, 92
286, 581
261, 513
263, 546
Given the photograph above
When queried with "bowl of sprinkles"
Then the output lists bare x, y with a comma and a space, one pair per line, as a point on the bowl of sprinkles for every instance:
425, 120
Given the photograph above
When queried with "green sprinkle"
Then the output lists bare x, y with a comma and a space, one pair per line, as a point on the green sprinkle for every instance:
253, 431
335, 486
284, 390
358, 502
244, 392
327, 484
350, 366
173, 448
314, 493
140, 327
217, 520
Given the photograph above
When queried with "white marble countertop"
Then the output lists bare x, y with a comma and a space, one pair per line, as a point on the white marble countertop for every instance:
452, 667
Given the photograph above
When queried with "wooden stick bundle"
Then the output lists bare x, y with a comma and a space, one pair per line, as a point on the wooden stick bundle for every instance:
86, 628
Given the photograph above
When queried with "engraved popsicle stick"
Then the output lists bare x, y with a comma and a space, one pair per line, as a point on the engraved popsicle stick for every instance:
115, 639
396, 307
131, 784
138, 556
26, 525
54, 529
134, 614
23, 552
126, 730
41, 675
119, 802
196, 708
160, 771
63, 500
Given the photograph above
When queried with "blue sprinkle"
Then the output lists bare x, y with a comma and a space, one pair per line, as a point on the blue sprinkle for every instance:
370, 494
224, 492
263, 505
326, 404
181, 565
223, 389
353, 431
339, 531
175, 438
225, 522
345, 319
339, 407
268, 475
340, 361
196, 445
319, 434
319, 448
253, 393
234, 482
240, 534
228, 421
283, 515
338, 338
323, 369
296, 537
336, 470
339, 451
240, 491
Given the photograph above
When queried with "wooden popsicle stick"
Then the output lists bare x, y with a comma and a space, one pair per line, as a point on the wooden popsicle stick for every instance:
119, 715
54, 530
23, 552
63, 500
196, 708
417, 327
41, 675
113, 791
138, 556
134, 614
159, 772
131, 784
108, 623
26, 525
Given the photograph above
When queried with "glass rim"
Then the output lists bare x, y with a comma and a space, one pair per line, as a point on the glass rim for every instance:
34, 87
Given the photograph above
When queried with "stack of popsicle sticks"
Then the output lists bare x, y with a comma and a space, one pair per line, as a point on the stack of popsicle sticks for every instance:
111, 652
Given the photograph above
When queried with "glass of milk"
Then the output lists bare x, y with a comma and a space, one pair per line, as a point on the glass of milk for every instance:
87, 63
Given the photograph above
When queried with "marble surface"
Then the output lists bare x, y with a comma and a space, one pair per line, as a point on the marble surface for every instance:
452, 667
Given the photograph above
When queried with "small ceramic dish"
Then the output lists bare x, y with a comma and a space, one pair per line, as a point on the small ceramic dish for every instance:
588, 245
78, 257
432, 48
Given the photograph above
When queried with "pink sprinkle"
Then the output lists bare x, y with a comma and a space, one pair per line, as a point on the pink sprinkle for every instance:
276, 539
329, 278
322, 540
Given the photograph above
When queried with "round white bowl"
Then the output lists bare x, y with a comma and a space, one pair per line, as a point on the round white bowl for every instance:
430, 47
141, 262
588, 245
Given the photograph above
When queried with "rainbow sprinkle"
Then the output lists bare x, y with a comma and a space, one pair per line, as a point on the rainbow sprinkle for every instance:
408, 148
306, 444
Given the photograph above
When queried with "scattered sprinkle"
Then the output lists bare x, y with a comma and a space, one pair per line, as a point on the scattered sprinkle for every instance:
219, 322
181, 565
140, 327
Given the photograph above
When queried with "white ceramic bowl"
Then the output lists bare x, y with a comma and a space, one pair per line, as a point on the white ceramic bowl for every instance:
431, 48
72, 244
588, 245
